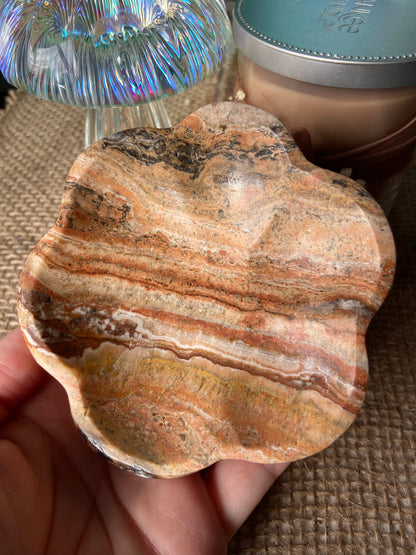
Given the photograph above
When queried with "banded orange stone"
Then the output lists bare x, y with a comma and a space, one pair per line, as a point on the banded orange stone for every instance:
205, 294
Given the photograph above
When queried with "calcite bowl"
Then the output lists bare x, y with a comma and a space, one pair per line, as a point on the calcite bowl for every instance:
205, 294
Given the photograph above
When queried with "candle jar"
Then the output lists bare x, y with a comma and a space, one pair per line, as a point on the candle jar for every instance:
341, 75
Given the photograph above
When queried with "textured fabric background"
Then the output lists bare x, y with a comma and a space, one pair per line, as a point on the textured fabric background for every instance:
356, 497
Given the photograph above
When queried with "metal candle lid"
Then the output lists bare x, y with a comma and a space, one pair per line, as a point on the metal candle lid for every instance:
340, 43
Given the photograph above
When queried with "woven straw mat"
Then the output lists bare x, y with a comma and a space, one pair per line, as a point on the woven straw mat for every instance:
356, 497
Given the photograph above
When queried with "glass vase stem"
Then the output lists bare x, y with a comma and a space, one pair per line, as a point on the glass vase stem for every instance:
102, 122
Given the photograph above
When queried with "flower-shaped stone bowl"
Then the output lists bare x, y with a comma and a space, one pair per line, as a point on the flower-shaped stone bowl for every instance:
205, 294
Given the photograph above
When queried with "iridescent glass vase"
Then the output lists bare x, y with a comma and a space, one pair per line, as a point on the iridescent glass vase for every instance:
117, 58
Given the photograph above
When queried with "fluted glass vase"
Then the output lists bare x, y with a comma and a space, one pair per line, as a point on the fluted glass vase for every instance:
117, 58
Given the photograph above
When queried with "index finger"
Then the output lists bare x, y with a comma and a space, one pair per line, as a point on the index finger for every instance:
236, 487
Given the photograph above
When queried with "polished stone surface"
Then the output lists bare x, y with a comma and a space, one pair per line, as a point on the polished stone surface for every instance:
205, 294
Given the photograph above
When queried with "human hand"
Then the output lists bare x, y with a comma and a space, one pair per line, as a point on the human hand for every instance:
58, 496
